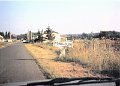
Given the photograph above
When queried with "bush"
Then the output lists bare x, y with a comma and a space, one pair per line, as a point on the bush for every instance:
112, 69
70, 59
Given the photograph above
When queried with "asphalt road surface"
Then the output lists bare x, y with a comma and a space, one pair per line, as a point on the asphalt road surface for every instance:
17, 65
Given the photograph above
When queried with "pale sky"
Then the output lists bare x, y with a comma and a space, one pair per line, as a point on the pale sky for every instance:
63, 16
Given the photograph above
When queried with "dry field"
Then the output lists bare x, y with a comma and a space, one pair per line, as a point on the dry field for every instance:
102, 56
45, 56
86, 58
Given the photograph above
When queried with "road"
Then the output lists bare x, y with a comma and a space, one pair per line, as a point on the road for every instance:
17, 65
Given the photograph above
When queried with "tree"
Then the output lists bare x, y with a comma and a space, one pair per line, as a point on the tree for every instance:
84, 35
49, 33
8, 35
2, 34
40, 37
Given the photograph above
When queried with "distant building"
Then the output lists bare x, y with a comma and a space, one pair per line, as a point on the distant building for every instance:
34, 36
56, 36
29, 36
45, 38
22, 37
9, 40
1, 39
13, 36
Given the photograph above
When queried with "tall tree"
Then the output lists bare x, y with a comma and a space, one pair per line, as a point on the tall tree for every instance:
2, 34
8, 35
49, 33
40, 37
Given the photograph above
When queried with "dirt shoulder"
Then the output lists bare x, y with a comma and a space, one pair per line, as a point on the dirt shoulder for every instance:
1, 44
45, 56
5, 44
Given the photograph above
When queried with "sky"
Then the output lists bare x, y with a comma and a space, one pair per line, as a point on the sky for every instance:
63, 16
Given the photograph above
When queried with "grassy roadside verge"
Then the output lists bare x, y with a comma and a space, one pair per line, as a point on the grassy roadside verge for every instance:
39, 59
51, 68
1, 44
6, 44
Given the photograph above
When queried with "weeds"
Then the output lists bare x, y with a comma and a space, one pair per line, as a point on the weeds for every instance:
71, 59
100, 55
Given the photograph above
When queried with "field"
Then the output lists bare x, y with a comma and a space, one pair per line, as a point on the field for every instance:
101, 56
45, 56
96, 58
46, 59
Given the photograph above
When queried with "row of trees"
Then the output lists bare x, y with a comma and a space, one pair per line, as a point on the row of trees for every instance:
102, 34
48, 33
108, 35
6, 35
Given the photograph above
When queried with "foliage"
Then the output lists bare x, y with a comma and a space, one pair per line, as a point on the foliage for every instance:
49, 32
6, 35
103, 34
2, 34
101, 56
40, 37
70, 59
109, 34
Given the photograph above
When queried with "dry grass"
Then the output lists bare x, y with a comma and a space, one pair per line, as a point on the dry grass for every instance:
1, 44
45, 56
102, 55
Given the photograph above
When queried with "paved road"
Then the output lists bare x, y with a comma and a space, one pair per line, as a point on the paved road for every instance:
17, 65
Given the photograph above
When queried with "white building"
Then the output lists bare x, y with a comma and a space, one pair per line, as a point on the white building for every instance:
1, 39
29, 36
56, 37
34, 36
